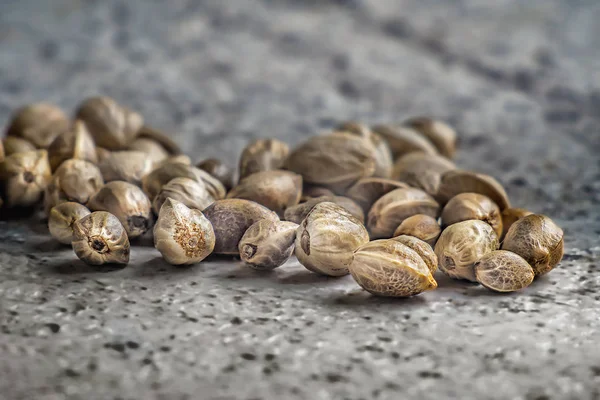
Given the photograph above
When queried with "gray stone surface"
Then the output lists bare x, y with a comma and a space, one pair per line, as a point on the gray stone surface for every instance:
520, 81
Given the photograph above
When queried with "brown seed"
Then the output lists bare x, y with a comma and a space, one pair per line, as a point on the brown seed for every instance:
368, 190
422, 248
510, 216
61, 220
466, 206
327, 239
147, 132
219, 170
112, 126
102, 154
154, 181
390, 268
99, 238
191, 193
538, 240
503, 271
76, 142
23, 178
277, 190
383, 154
297, 213
179, 158
263, 155
74, 180
461, 245
268, 244
458, 181
334, 161
129, 166
231, 218
403, 140
183, 235
128, 203
153, 150
13, 145
38, 123
423, 227
2, 154
423, 171
442, 135
391, 209
312, 191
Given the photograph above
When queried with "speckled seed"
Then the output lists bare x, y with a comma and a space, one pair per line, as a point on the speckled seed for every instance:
327, 239
277, 190
191, 193
503, 271
76, 142
368, 190
404, 140
423, 227
510, 216
393, 208
155, 180
61, 220
23, 178
128, 203
383, 154
219, 170
153, 150
442, 135
297, 213
13, 145
112, 126
129, 166
99, 238
334, 161
390, 268
182, 235
538, 240
231, 218
466, 206
423, 171
147, 132
263, 155
458, 181
268, 244
461, 245
74, 180
421, 248
38, 123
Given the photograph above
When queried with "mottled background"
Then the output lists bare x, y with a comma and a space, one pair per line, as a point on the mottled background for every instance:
520, 80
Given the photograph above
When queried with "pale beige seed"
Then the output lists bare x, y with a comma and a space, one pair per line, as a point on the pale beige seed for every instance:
510, 216
466, 206
327, 239
99, 238
61, 220
231, 218
76, 142
183, 235
74, 180
503, 271
191, 193
263, 155
442, 135
421, 248
23, 178
153, 150
155, 180
461, 245
423, 227
129, 166
393, 208
390, 268
38, 123
179, 158
147, 132
102, 153
111, 125
538, 240
13, 145
423, 171
219, 170
268, 244
383, 154
277, 190
459, 181
368, 190
404, 140
128, 203
297, 213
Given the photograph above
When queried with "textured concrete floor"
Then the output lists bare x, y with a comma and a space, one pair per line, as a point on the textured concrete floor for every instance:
519, 79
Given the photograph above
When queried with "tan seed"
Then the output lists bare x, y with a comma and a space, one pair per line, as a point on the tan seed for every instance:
23, 178
38, 123
61, 220
155, 180
404, 140
423, 171
191, 193
458, 181
268, 244
129, 166
466, 206
503, 271
442, 135
510, 216
76, 142
13, 145
383, 154
297, 213
74, 180
219, 170
99, 238
423, 227
421, 248
368, 190
263, 155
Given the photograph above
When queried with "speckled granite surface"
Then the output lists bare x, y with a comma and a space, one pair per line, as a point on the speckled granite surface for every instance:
520, 80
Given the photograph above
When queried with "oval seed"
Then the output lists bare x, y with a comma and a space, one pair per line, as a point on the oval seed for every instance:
383, 154
404, 140
423, 227
297, 213
442, 135
466, 206
99, 238
263, 155
510, 216
422, 248
457, 181
503, 271
268, 244
423, 171
61, 220
368, 190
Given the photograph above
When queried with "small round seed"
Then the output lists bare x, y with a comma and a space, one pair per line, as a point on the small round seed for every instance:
99, 238
263, 155
129, 166
503, 271
153, 150
38, 123
383, 154
191, 193
466, 206
23, 178
74, 180
268, 244
423, 227
368, 190
219, 170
